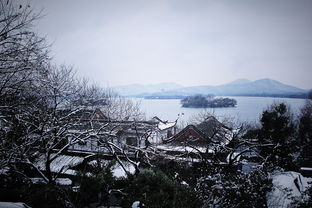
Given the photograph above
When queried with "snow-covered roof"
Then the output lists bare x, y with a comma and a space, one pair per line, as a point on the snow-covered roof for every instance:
216, 130
62, 161
306, 168
59, 181
163, 126
183, 159
182, 148
13, 205
209, 130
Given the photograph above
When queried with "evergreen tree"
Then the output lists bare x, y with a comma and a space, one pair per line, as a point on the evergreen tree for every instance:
277, 136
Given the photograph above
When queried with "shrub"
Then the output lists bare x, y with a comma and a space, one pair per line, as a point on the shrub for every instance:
155, 189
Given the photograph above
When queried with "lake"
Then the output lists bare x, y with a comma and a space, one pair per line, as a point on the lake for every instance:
248, 109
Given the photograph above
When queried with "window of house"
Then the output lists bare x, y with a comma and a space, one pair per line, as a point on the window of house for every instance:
169, 133
131, 141
82, 142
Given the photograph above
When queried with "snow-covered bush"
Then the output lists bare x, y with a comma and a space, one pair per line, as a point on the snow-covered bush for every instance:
234, 189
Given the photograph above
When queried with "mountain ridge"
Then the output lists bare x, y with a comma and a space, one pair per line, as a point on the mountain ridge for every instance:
241, 87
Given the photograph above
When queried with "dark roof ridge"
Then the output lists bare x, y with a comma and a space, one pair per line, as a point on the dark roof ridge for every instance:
183, 130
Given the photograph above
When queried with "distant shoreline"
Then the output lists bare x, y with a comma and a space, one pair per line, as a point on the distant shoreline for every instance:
298, 96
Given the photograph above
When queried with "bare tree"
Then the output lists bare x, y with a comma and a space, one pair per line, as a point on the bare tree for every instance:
22, 52
137, 154
55, 120
42, 105
23, 56
121, 108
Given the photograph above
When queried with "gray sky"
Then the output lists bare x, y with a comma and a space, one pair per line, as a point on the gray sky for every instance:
191, 42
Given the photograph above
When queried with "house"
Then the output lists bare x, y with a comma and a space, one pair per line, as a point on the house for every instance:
207, 132
93, 115
122, 133
135, 134
198, 140
164, 129
145, 133
190, 135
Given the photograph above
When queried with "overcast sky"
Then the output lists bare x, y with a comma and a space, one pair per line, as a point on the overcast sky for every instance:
191, 42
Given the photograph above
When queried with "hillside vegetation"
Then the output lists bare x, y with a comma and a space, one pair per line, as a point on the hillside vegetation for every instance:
199, 101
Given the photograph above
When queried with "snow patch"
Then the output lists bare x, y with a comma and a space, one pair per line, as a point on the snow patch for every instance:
118, 172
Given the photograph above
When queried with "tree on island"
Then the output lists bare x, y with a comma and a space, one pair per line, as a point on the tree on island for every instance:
200, 101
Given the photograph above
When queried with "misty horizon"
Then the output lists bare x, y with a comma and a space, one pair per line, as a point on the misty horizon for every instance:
187, 42
183, 85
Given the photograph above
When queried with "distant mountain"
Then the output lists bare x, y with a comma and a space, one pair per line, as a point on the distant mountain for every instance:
240, 81
258, 87
241, 87
136, 89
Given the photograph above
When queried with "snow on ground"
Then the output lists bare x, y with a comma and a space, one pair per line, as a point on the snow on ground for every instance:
285, 186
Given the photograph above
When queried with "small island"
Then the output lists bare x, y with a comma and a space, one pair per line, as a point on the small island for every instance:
200, 101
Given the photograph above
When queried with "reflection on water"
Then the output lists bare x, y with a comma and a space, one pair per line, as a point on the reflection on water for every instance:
248, 109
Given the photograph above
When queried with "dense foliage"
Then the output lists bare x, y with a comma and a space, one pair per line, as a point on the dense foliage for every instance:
95, 183
155, 189
199, 101
277, 136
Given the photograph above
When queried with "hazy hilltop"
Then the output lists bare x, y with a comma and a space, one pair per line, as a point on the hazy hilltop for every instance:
240, 81
258, 87
240, 87
137, 89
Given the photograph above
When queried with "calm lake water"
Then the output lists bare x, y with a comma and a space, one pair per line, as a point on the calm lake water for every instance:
248, 109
